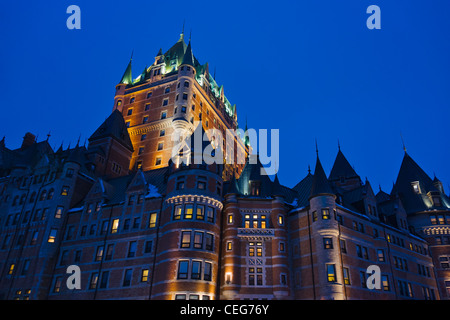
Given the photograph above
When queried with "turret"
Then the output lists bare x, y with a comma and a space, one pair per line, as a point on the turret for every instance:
184, 92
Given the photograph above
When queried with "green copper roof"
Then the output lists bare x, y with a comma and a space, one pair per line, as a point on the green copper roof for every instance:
127, 77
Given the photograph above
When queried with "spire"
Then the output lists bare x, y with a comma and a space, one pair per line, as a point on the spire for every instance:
317, 150
188, 56
403, 142
276, 187
233, 186
320, 184
127, 77
246, 137
341, 168
182, 34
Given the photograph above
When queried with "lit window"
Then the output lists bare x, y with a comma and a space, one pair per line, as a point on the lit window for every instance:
144, 275
331, 273
185, 239
188, 211
325, 214
327, 243
346, 276
177, 212
115, 226
52, 235
416, 187
200, 212
152, 221
65, 191
58, 212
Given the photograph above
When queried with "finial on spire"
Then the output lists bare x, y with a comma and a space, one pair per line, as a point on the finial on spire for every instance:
403, 142
317, 149
48, 135
339, 145
309, 169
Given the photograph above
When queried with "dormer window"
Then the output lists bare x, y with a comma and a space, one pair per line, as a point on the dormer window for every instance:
416, 187
255, 188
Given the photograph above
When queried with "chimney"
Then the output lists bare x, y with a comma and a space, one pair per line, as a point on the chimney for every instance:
28, 140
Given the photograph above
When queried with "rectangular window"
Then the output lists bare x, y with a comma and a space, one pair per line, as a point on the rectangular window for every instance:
152, 220
343, 246
210, 214
327, 243
200, 212
198, 240
209, 241
380, 254
104, 279
127, 277
94, 280
148, 246
160, 146
177, 212
57, 286
331, 273
196, 270
58, 212
158, 161
207, 273
325, 214
109, 252
183, 269
185, 239
144, 275
115, 226
52, 235
188, 211
132, 249
346, 276
99, 254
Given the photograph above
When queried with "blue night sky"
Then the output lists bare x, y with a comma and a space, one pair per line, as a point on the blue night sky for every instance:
310, 68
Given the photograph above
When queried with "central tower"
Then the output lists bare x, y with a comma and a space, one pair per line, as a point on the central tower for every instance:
161, 105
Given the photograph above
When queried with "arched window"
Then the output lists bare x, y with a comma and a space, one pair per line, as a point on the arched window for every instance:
32, 197
43, 195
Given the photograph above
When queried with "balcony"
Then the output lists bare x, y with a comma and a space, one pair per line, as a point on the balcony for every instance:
256, 234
